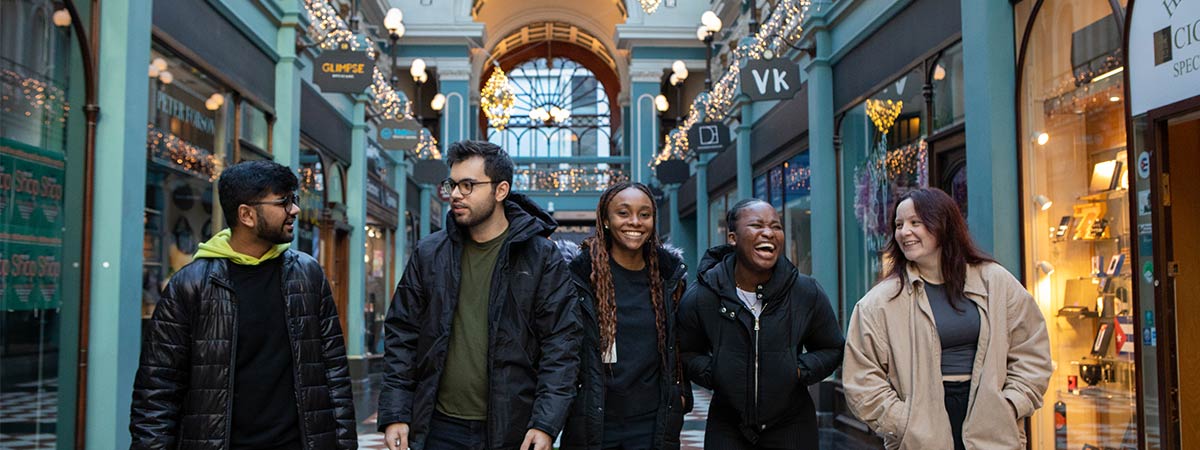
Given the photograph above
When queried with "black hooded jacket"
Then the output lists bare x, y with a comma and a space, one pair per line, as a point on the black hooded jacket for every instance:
533, 343
759, 370
183, 393
585, 425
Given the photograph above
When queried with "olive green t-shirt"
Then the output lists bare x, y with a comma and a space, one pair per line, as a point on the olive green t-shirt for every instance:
463, 391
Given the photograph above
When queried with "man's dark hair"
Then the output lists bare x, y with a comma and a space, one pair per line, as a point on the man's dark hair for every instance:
496, 163
249, 181
731, 217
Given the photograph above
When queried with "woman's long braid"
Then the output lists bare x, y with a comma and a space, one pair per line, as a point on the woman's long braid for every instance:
601, 276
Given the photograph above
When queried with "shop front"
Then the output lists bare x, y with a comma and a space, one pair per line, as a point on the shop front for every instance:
1162, 40
383, 226
1079, 261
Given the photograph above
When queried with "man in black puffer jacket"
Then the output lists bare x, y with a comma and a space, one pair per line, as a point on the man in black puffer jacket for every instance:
482, 337
244, 349
757, 332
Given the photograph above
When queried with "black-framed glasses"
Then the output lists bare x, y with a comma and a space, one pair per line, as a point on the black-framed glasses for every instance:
287, 200
464, 186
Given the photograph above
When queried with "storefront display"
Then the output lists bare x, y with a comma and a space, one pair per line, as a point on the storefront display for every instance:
186, 146
1076, 215
786, 187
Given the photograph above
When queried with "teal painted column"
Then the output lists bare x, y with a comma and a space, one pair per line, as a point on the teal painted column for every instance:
823, 166
426, 201
285, 134
400, 239
702, 225
644, 124
356, 215
745, 170
988, 75
114, 334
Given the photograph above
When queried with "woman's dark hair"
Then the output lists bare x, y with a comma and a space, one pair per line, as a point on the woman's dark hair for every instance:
601, 277
731, 217
941, 216
249, 181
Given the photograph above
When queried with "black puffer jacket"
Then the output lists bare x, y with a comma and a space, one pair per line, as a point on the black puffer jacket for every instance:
533, 343
585, 425
182, 396
721, 344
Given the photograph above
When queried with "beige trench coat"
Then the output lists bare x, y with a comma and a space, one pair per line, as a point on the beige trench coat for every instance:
892, 367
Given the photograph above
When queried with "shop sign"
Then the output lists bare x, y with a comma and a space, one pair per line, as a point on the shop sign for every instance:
399, 134
178, 109
1143, 164
672, 171
343, 71
1164, 53
31, 198
708, 137
770, 79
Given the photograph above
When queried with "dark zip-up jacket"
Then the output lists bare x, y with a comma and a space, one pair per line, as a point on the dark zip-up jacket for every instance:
751, 365
533, 342
183, 392
585, 425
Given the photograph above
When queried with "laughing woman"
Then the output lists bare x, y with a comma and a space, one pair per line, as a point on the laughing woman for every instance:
757, 332
631, 392
948, 350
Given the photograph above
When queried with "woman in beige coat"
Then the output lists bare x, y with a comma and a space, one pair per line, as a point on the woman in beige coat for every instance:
948, 350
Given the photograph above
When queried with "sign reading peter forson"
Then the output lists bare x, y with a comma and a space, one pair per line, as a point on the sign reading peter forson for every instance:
1164, 53
343, 71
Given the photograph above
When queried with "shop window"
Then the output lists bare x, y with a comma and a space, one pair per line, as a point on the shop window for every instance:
947, 83
255, 128
716, 213
797, 214
1076, 222
312, 201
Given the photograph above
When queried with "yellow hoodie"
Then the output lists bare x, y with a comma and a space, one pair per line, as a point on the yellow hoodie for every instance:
218, 247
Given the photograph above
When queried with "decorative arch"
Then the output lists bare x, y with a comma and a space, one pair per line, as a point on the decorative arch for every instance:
556, 40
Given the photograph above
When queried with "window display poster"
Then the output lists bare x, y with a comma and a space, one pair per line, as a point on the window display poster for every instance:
31, 201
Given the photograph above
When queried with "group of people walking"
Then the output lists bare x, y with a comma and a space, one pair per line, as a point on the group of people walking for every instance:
495, 340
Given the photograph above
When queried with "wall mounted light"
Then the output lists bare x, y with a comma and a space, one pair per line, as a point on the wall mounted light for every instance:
1045, 267
660, 103
1042, 138
939, 73
438, 102
166, 77
1043, 202
62, 18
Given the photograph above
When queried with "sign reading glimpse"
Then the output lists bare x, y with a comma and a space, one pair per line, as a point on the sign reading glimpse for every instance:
708, 137
773, 79
343, 71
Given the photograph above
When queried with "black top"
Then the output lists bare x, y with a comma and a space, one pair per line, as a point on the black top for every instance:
958, 330
634, 381
264, 401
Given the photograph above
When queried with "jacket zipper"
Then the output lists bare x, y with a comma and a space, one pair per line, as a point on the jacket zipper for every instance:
232, 373
756, 387
287, 321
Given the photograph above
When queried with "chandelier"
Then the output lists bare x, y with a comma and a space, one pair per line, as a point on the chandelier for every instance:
649, 6
497, 98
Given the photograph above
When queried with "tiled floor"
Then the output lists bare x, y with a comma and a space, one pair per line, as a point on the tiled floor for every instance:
28, 415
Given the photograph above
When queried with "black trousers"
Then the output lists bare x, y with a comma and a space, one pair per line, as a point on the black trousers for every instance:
449, 433
958, 397
725, 434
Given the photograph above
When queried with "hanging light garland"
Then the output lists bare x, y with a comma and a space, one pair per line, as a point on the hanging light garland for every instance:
427, 146
649, 6
497, 99
783, 26
27, 96
183, 155
567, 180
330, 31
883, 113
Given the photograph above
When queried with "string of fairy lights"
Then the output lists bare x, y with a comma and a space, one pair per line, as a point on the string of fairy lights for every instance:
180, 153
571, 180
27, 96
329, 30
782, 27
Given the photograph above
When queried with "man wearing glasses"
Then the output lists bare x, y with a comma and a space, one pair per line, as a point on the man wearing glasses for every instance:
245, 349
482, 340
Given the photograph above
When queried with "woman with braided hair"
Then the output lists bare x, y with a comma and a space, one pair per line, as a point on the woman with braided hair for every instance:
631, 391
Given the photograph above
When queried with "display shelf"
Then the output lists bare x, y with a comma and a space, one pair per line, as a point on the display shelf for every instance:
1111, 194
1098, 393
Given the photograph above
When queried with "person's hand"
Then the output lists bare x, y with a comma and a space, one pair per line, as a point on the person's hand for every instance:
538, 439
396, 436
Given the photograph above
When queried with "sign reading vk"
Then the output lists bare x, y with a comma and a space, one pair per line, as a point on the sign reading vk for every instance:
770, 79
708, 137
399, 134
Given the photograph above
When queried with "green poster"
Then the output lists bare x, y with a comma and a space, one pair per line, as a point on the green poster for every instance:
31, 226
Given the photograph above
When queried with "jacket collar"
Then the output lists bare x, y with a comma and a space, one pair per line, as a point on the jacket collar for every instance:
973, 285
670, 265
526, 220
716, 272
